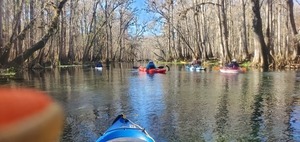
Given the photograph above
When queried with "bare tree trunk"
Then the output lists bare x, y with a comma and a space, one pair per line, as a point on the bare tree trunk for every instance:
31, 17
270, 32
108, 9
179, 47
125, 19
106, 12
4, 55
225, 26
290, 4
71, 54
175, 55
121, 32
223, 32
245, 32
197, 38
257, 25
169, 52
62, 50
91, 34
42, 42
111, 47
204, 35
293, 24
279, 43
41, 55
18, 45
16, 28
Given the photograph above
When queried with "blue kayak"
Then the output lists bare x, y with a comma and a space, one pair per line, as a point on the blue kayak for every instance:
123, 129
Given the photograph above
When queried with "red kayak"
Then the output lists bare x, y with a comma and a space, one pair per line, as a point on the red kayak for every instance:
152, 71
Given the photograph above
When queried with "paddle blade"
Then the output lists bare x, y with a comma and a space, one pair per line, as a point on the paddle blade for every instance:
244, 69
168, 67
216, 68
135, 67
160, 67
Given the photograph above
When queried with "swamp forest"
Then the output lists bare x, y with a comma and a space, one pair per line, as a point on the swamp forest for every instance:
50, 33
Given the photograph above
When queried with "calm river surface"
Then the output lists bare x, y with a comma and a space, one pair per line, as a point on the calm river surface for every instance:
179, 106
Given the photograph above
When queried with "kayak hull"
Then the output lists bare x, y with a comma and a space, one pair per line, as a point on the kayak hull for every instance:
152, 71
98, 68
193, 68
123, 129
230, 70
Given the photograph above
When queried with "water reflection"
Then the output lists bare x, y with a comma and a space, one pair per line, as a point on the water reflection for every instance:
222, 114
294, 111
257, 119
268, 120
176, 106
146, 97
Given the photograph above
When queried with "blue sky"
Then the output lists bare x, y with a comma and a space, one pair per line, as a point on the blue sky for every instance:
141, 5
144, 17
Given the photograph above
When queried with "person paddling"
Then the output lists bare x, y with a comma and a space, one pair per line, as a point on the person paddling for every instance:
150, 65
196, 62
233, 64
99, 64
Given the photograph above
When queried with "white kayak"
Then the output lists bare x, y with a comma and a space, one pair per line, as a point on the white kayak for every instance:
194, 68
99, 68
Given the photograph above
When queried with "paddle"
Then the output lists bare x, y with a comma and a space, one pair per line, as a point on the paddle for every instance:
243, 69
135, 67
216, 68
160, 67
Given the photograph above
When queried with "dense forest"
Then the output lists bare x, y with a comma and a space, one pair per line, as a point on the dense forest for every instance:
40, 33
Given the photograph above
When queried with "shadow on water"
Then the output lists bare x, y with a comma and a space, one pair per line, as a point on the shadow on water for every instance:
177, 106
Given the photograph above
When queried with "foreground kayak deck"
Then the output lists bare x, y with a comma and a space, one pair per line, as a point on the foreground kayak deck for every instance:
123, 129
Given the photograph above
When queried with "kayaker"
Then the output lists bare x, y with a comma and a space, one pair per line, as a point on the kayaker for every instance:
233, 64
196, 62
123, 129
99, 64
150, 65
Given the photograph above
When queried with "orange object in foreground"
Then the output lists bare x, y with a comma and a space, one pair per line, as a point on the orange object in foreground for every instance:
29, 115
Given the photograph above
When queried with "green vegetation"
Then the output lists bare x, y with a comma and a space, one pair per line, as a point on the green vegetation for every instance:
246, 64
8, 72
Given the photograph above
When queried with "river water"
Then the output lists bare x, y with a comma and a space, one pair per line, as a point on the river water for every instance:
179, 106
